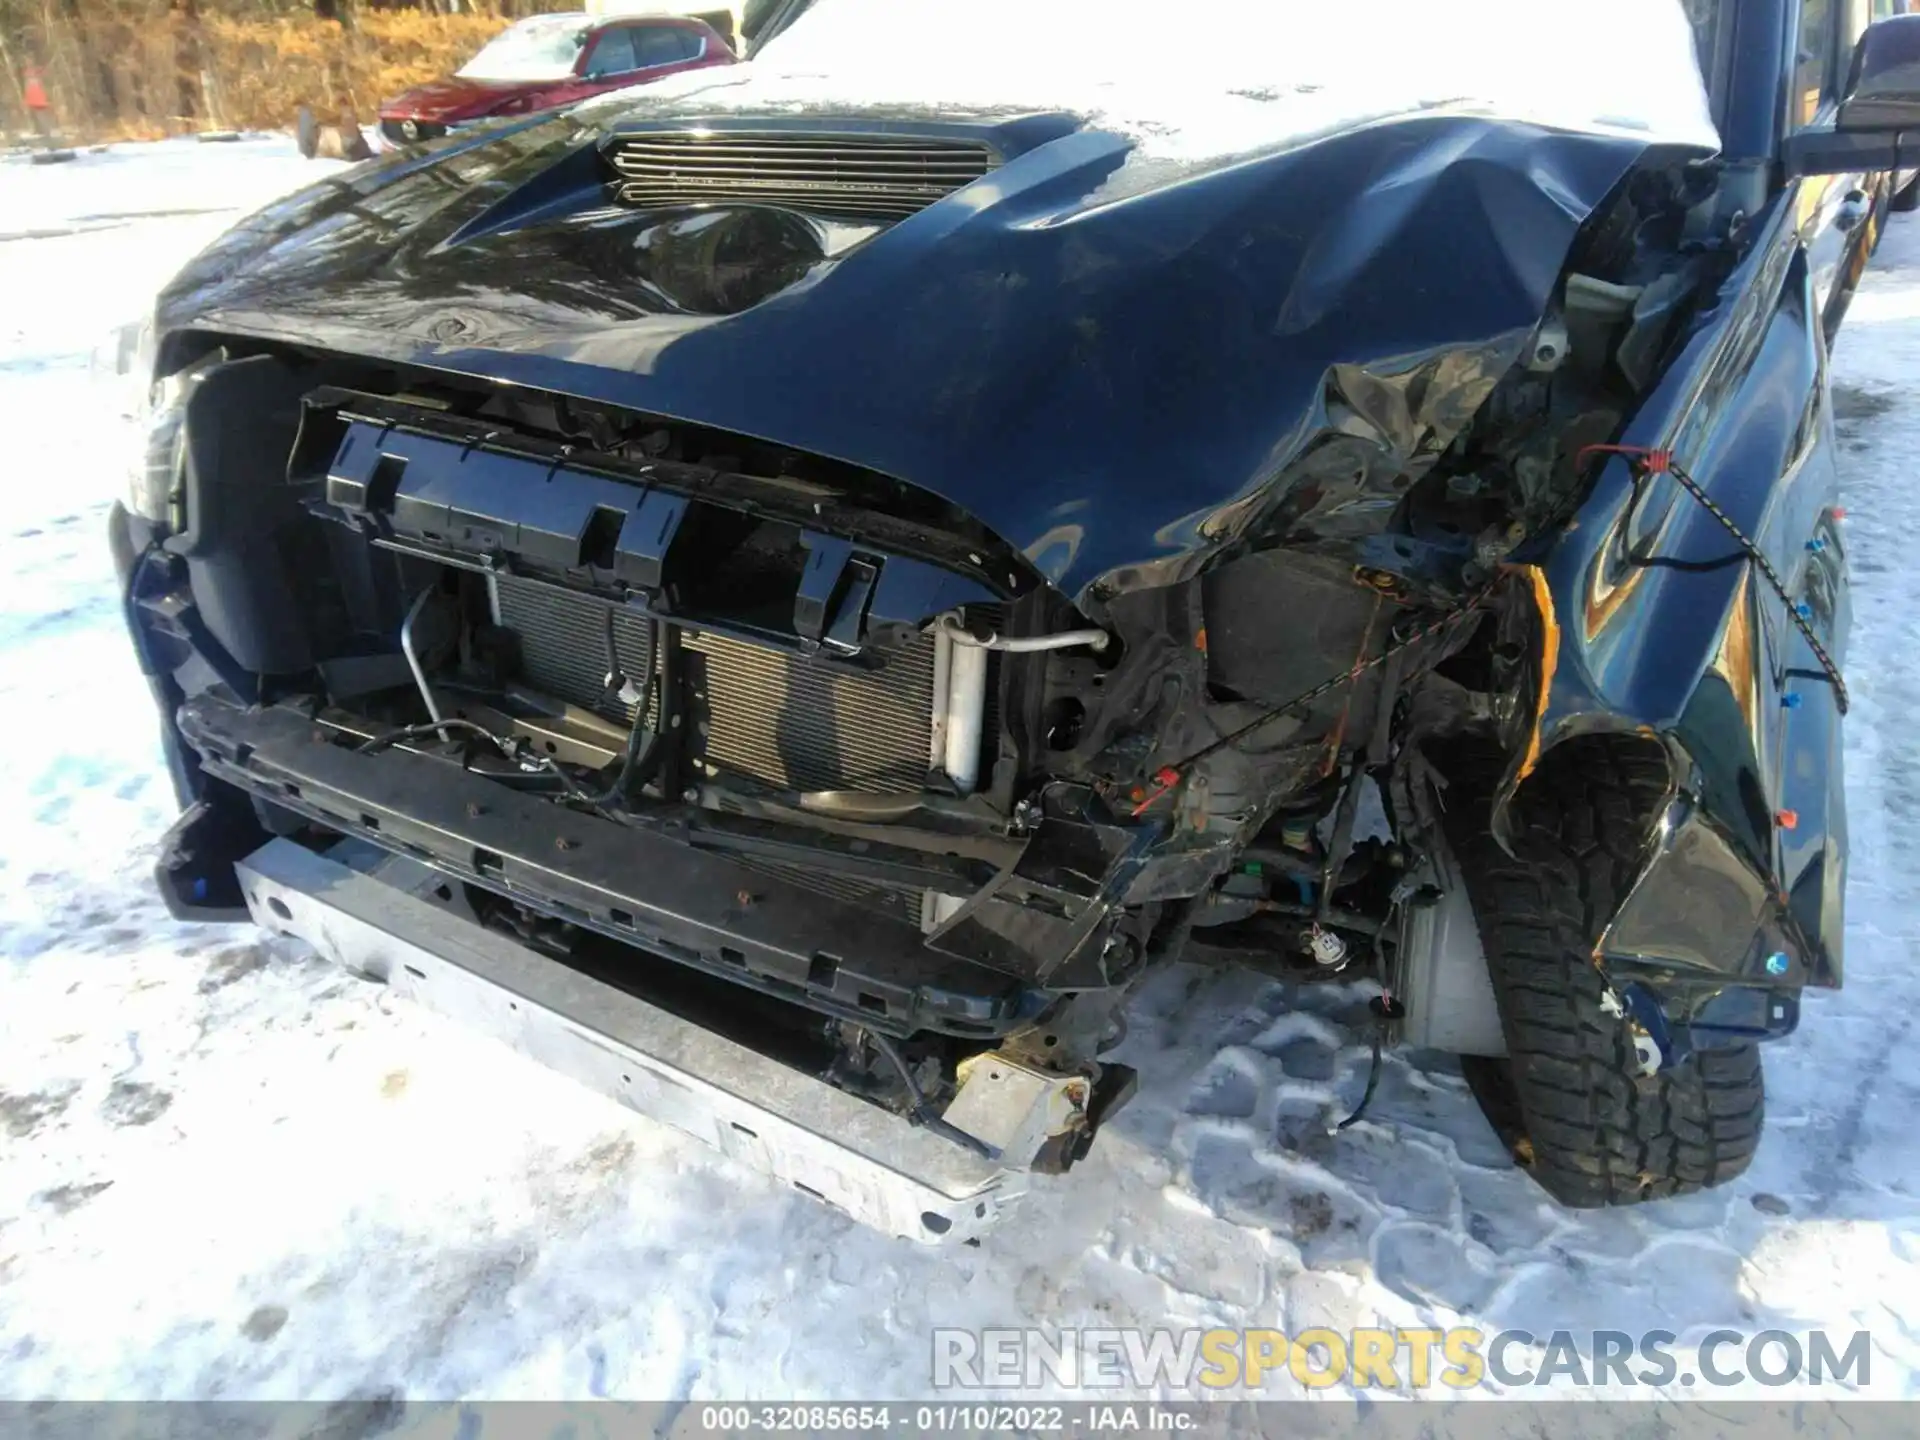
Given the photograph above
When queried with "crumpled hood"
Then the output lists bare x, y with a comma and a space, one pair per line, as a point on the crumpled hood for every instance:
1113, 364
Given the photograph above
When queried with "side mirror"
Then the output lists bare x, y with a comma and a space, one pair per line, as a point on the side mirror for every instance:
1878, 124
1883, 85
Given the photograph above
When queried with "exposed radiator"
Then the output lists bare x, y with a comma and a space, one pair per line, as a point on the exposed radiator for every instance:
787, 720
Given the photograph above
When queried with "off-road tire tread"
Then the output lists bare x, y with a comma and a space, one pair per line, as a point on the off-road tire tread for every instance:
1599, 1132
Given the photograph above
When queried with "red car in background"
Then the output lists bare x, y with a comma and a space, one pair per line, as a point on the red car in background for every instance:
549, 61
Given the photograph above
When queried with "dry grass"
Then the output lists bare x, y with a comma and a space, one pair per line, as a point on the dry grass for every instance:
265, 70
128, 75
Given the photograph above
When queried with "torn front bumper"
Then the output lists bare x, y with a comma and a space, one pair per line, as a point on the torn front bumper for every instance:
380, 916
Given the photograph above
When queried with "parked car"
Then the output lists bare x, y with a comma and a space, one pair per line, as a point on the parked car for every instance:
548, 61
789, 602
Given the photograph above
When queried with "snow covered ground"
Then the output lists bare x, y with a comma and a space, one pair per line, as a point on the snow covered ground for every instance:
226, 1169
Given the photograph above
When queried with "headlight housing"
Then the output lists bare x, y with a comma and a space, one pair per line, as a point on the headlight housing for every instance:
154, 410
154, 481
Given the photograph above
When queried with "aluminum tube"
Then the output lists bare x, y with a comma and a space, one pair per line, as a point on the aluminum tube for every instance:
413, 658
966, 713
951, 627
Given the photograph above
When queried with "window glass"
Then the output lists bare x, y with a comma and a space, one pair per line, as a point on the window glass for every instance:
665, 45
1704, 16
1855, 16
546, 47
612, 53
1813, 65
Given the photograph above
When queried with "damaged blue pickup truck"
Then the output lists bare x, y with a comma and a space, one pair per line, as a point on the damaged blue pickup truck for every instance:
785, 594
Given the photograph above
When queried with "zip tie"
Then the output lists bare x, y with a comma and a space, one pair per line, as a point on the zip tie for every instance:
1656, 462
1164, 779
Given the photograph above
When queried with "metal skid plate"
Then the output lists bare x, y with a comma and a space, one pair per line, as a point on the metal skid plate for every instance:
375, 922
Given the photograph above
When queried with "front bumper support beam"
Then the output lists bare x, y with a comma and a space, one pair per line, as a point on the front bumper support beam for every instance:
377, 918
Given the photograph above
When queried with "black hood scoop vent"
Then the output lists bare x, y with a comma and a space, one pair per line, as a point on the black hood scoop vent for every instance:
860, 177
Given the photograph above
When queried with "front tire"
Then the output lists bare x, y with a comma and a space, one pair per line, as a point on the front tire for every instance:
1570, 1097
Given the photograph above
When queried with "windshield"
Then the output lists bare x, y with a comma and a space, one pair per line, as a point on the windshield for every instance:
1236, 74
544, 48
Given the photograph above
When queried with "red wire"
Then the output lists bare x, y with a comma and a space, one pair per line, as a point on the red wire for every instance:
1658, 462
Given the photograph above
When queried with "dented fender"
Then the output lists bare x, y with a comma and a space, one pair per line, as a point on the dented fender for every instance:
1744, 877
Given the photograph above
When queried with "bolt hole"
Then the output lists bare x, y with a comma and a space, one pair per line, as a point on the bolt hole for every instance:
1063, 720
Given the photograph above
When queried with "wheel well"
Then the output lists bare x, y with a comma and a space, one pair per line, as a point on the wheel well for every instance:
1641, 758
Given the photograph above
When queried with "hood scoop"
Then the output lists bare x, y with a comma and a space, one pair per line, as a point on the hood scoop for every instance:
857, 176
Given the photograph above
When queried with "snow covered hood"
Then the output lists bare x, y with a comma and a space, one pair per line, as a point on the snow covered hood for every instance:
1234, 77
